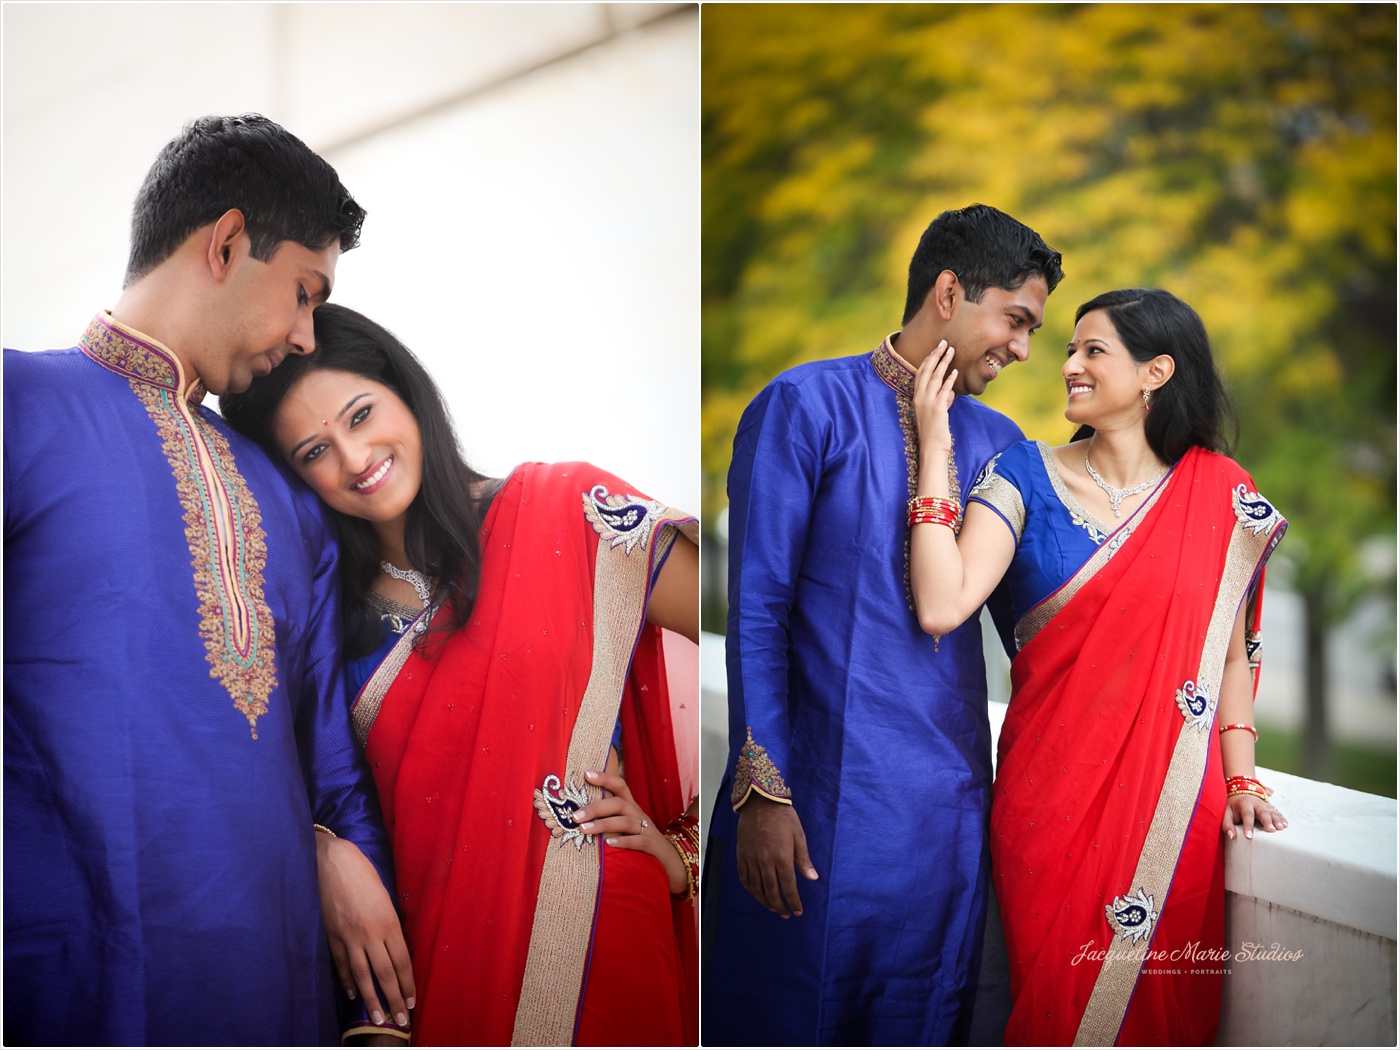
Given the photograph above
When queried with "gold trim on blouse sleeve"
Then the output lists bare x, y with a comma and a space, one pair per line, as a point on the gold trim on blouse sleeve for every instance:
1002, 496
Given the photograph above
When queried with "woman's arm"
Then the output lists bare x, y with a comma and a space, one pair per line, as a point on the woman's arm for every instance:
623, 825
675, 597
951, 576
1237, 745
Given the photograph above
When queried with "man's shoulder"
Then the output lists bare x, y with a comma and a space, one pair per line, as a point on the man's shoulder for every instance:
37, 366
270, 479
989, 417
827, 369
811, 385
976, 418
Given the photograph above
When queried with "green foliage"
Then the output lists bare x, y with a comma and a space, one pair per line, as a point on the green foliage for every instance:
1241, 156
1359, 768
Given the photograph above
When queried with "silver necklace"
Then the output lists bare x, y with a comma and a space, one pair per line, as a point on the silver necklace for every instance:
416, 579
1117, 496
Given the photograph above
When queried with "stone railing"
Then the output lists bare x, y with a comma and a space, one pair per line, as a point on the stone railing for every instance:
1310, 911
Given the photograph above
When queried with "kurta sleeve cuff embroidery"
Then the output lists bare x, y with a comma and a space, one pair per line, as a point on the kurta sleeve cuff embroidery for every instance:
755, 772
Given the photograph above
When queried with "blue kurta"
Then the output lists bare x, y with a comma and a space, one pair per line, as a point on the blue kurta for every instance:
838, 697
175, 716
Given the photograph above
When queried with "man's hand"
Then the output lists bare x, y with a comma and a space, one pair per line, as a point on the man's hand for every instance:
770, 841
363, 929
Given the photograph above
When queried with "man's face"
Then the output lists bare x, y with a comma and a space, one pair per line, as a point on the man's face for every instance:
990, 335
263, 313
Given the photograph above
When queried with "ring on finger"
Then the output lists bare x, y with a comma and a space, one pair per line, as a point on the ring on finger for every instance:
645, 825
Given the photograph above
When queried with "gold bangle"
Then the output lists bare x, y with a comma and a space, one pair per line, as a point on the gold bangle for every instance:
1240, 725
1248, 791
325, 830
684, 835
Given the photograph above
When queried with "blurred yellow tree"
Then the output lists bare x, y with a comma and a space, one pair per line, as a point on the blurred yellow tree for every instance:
1241, 156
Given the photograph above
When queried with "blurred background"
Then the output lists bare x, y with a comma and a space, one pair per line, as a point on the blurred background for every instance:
1241, 156
531, 173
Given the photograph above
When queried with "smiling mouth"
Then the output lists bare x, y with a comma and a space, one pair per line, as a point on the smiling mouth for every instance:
374, 479
996, 365
1076, 389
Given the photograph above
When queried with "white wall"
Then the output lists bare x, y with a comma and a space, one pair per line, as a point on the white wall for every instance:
531, 174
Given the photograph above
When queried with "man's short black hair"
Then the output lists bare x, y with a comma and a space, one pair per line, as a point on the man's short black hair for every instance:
285, 192
986, 248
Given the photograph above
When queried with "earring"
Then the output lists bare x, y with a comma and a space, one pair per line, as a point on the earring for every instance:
1146, 403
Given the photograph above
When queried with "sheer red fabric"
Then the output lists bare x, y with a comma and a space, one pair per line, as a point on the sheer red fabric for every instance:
460, 743
1088, 750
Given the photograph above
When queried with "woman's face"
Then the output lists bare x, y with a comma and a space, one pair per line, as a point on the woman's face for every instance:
354, 441
1103, 382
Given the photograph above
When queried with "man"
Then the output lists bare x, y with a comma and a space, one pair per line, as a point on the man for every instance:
179, 764
859, 746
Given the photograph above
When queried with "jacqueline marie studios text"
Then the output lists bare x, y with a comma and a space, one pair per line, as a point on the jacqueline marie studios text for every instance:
1193, 953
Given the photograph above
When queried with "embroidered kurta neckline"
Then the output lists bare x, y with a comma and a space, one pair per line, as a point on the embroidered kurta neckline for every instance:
137, 356
898, 374
223, 525
893, 370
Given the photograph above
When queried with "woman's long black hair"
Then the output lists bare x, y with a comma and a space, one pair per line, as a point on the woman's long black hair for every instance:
1192, 407
442, 526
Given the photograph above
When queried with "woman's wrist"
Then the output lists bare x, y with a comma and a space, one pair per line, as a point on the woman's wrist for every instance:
684, 837
933, 481
933, 461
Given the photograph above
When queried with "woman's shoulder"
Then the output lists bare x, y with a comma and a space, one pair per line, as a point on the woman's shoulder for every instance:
589, 494
577, 480
1234, 481
1220, 464
1018, 462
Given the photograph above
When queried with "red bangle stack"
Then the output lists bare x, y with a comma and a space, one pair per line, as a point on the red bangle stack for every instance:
1246, 786
684, 834
934, 510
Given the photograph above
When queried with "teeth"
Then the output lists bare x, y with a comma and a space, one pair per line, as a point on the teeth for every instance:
377, 475
1078, 389
996, 365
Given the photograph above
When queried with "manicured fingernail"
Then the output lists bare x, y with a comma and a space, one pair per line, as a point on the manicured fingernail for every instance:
812, 873
612, 842
588, 826
349, 993
378, 1017
1249, 834
409, 1003
402, 1018
590, 774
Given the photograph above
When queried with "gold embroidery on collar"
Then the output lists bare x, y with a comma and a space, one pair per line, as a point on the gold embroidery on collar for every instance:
223, 525
130, 353
899, 377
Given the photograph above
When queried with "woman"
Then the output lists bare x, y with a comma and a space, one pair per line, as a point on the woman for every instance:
495, 720
1135, 560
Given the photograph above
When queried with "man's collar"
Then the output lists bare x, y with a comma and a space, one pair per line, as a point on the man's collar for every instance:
137, 356
897, 373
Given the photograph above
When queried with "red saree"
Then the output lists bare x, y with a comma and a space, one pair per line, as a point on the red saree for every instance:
1107, 852
521, 928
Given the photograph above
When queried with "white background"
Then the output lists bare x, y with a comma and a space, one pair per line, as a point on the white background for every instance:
531, 174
